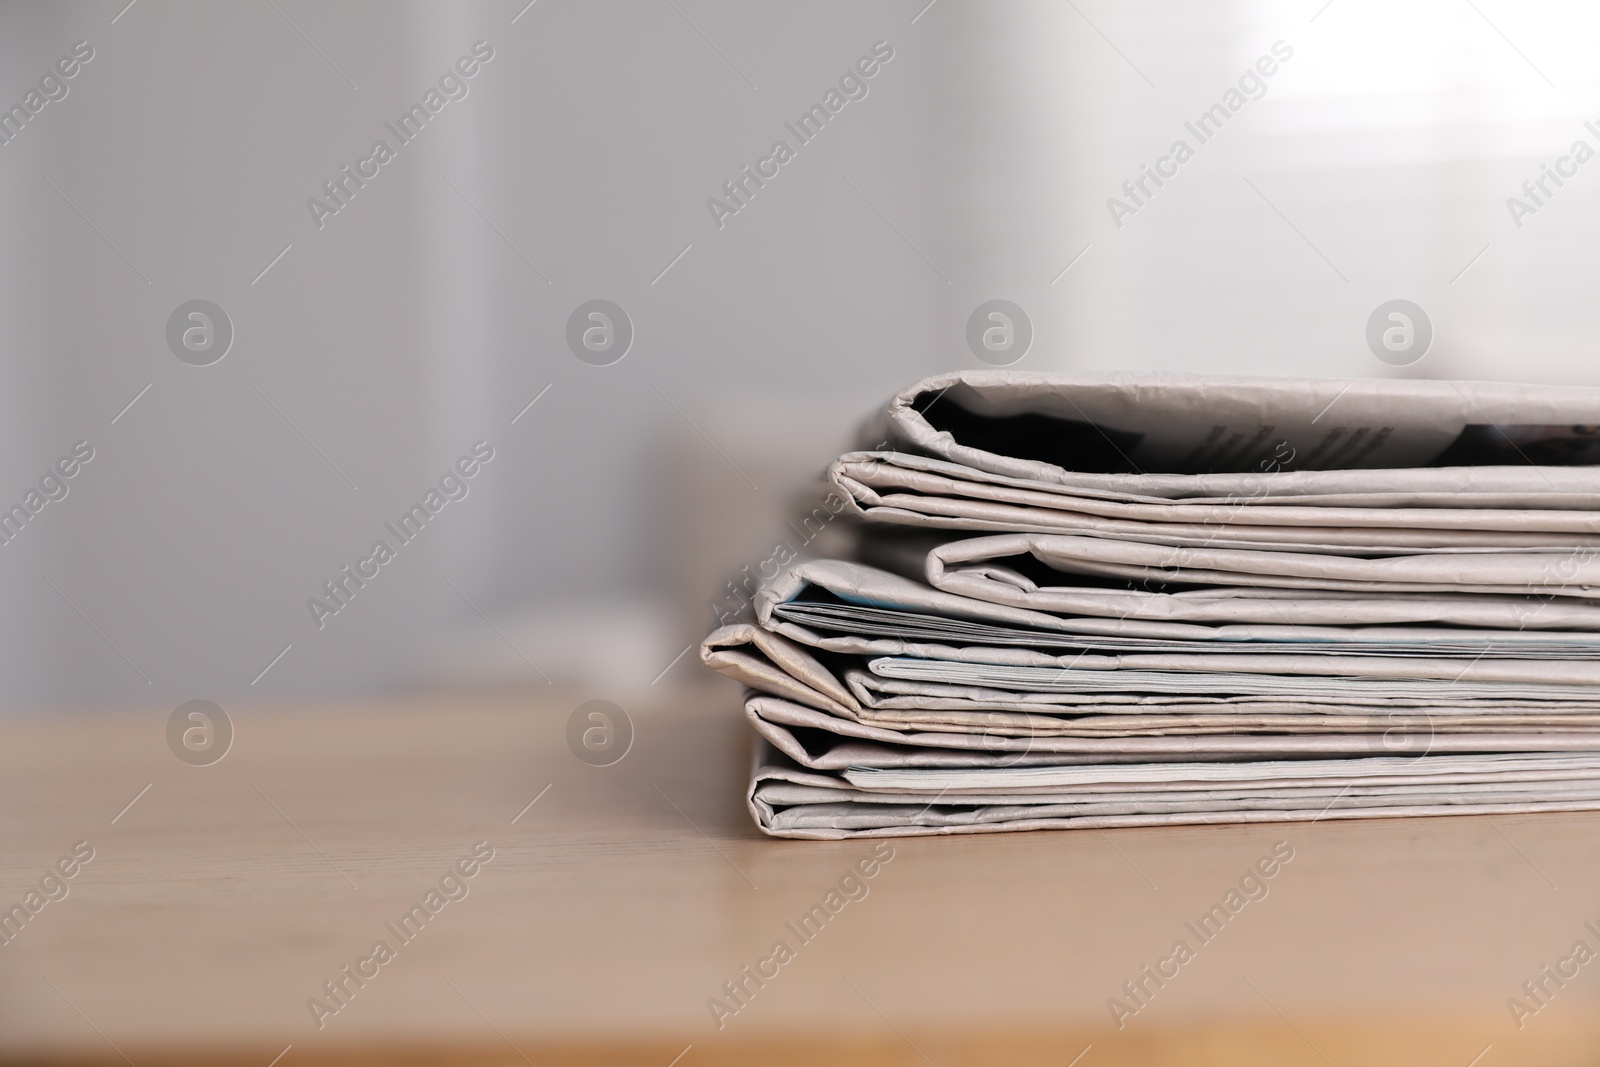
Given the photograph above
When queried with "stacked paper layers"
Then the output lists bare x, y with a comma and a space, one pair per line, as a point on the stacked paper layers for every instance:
1156, 600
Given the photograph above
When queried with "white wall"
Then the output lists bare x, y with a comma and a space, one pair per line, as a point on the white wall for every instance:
411, 325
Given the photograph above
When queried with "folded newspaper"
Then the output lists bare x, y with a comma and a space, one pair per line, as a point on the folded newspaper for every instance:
1139, 600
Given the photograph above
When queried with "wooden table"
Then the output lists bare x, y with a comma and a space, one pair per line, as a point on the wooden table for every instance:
616, 906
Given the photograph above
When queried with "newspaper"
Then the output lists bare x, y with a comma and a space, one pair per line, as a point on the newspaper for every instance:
1463, 507
1156, 600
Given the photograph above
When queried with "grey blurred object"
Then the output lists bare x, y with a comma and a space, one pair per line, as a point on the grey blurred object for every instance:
374, 345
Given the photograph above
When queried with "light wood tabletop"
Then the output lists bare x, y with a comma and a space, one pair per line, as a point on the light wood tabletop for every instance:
232, 913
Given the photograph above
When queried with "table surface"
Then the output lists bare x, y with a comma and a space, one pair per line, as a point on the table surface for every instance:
617, 906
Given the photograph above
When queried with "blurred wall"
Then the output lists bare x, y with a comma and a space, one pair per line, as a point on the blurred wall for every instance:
374, 346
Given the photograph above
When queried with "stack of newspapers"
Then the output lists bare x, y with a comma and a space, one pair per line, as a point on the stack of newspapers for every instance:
1164, 599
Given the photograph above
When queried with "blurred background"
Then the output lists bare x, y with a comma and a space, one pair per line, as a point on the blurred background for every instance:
374, 345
